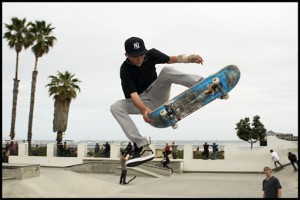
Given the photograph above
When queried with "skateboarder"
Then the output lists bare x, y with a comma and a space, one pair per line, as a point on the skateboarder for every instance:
165, 161
275, 158
144, 90
293, 158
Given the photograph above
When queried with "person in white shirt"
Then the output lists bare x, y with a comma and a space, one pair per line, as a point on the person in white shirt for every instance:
275, 158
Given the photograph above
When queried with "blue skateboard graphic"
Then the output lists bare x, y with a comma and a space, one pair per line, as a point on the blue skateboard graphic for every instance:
213, 87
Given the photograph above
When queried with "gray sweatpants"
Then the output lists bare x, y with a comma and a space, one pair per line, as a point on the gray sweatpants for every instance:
155, 95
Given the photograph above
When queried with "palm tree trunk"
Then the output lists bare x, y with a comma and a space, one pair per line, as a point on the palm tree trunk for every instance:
14, 109
17, 66
33, 86
59, 139
14, 103
61, 113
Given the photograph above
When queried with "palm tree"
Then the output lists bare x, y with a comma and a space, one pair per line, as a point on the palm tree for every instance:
63, 87
17, 37
43, 40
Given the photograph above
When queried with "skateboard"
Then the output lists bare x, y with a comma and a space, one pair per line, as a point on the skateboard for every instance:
213, 87
131, 180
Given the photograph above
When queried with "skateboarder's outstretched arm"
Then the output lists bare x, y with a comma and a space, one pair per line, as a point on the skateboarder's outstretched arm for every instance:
141, 106
186, 59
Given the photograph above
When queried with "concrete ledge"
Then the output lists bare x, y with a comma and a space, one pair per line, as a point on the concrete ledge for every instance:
7, 178
20, 171
95, 166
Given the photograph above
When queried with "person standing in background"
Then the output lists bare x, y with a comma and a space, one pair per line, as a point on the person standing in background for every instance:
167, 149
128, 149
271, 185
214, 151
106, 152
65, 149
174, 150
206, 151
123, 168
97, 148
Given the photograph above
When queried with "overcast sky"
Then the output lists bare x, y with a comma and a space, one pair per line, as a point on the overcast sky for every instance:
260, 38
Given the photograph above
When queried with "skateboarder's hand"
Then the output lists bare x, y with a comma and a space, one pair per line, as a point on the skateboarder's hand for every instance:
198, 59
145, 115
141, 106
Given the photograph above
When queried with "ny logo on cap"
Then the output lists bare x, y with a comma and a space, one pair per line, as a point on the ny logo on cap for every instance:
136, 45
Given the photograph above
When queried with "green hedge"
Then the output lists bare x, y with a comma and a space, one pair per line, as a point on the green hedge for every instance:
200, 155
39, 151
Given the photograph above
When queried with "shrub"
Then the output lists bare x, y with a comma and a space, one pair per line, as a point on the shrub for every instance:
39, 151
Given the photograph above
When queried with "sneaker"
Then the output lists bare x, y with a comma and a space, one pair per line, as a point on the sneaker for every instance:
140, 156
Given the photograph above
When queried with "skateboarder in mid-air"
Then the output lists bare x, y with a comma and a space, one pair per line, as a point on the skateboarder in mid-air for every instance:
144, 91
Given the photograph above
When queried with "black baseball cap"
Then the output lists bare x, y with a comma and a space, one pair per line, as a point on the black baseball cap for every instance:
135, 46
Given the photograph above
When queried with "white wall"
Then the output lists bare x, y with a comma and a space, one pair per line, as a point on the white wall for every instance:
244, 159
236, 159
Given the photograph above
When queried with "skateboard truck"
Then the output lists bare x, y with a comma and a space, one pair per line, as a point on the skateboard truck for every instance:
216, 86
168, 115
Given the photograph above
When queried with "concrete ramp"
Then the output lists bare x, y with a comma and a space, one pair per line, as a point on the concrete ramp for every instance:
137, 171
58, 183
156, 169
95, 166
113, 167
19, 171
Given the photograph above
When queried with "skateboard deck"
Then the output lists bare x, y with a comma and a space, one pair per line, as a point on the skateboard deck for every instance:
213, 87
131, 180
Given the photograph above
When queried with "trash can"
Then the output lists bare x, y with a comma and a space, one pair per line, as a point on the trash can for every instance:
263, 142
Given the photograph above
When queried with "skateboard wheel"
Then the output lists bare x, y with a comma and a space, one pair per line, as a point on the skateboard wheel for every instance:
216, 81
175, 126
163, 113
226, 96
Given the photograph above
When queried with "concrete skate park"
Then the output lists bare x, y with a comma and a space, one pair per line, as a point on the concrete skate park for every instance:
239, 174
